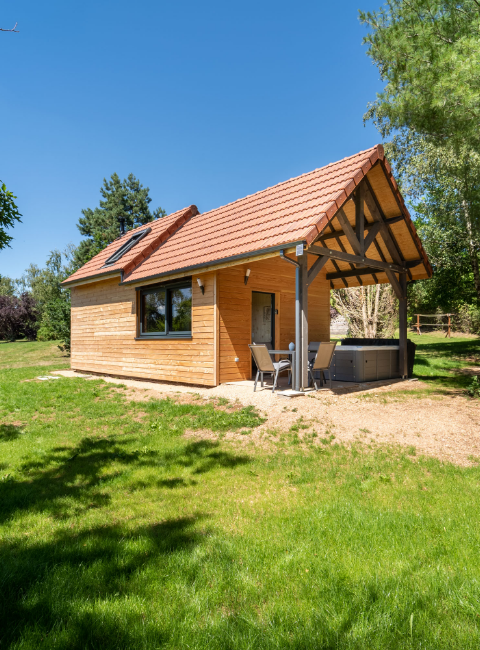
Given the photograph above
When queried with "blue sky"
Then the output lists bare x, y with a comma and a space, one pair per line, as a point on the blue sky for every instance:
205, 102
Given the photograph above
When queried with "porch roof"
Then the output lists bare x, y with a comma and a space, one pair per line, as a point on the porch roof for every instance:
301, 209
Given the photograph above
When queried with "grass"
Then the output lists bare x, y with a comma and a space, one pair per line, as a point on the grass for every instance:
118, 531
442, 362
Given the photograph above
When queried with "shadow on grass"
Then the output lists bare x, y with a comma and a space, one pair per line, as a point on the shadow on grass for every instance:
451, 349
56, 588
172, 483
69, 481
53, 591
10, 432
205, 456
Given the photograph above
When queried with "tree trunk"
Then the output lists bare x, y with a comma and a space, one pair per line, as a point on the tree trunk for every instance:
375, 313
472, 249
364, 312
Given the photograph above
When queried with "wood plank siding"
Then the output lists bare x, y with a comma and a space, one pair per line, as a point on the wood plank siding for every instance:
104, 326
235, 311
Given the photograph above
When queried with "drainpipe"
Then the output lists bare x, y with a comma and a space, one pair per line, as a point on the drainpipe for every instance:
298, 324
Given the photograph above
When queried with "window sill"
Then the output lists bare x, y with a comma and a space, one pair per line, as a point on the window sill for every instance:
179, 337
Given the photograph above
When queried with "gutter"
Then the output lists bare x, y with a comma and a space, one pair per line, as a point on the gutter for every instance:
223, 260
185, 269
93, 278
287, 259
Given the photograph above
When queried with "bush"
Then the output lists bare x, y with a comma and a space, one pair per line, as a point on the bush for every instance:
467, 319
18, 317
55, 322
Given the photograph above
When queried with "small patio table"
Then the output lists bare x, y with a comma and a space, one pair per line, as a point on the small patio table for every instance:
291, 353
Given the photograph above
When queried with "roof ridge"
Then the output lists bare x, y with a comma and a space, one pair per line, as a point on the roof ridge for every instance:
162, 236
343, 195
293, 178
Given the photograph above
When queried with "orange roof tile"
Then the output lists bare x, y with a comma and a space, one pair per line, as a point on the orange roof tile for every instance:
161, 230
293, 211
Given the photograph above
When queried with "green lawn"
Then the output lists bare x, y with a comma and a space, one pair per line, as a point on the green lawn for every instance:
442, 362
117, 531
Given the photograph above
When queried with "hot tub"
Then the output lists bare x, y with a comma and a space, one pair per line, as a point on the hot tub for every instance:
361, 363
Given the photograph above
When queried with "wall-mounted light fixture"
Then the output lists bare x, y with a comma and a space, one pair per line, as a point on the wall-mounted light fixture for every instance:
247, 275
200, 284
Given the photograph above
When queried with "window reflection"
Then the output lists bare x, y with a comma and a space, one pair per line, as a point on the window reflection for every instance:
166, 310
181, 309
154, 312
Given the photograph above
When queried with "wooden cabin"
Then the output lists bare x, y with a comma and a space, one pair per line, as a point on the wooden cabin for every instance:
181, 298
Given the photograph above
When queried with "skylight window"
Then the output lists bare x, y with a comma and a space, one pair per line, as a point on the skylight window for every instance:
124, 248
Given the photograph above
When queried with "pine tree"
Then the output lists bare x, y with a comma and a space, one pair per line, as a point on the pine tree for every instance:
126, 199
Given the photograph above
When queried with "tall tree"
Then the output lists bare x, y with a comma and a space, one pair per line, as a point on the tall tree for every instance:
127, 200
443, 187
52, 300
9, 214
427, 52
371, 310
7, 286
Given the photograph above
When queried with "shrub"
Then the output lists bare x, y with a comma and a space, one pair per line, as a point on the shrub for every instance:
474, 389
467, 319
18, 317
55, 322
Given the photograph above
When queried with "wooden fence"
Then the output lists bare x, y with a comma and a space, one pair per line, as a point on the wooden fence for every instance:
443, 325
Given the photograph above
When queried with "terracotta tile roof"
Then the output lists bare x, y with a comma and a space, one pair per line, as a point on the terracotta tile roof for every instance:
293, 211
161, 230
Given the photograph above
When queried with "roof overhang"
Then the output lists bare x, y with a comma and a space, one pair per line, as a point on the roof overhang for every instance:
93, 278
225, 262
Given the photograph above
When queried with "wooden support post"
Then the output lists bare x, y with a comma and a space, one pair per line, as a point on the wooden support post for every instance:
418, 325
402, 324
360, 216
301, 323
449, 322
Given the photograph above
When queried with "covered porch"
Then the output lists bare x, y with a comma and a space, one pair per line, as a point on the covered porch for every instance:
365, 238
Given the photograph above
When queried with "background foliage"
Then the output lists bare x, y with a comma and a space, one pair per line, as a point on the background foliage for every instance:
427, 52
9, 214
126, 199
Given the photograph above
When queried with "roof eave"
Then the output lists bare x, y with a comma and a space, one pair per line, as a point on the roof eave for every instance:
92, 278
217, 264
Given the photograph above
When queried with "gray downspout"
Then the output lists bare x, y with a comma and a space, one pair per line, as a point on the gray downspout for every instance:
298, 324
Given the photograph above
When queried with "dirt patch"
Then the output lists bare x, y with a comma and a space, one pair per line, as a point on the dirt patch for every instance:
447, 428
444, 426
468, 372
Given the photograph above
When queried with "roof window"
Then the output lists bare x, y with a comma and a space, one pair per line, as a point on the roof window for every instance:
124, 248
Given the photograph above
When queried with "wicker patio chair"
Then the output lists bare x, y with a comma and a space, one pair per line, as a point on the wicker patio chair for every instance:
322, 362
265, 365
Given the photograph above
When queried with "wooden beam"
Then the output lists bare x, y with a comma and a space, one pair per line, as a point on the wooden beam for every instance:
379, 251
345, 283
392, 278
373, 232
360, 216
339, 242
317, 266
412, 263
355, 259
368, 226
344, 250
384, 231
349, 232
350, 274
